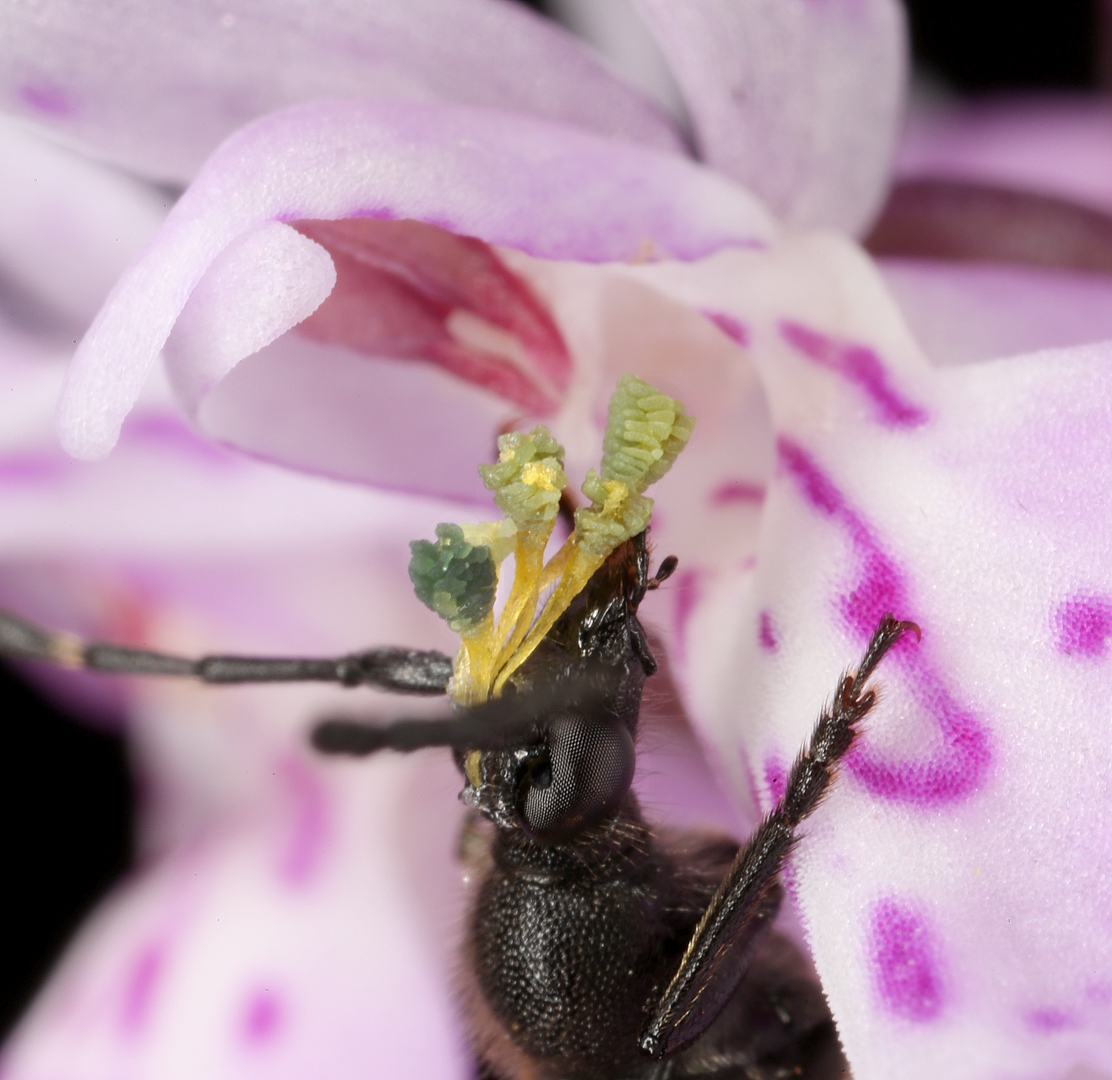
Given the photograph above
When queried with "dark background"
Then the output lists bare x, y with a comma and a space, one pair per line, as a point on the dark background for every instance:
65, 799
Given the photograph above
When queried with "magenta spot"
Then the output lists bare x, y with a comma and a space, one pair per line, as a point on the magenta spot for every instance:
818, 489
737, 491
47, 100
263, 1016
30, 469
858, 365
733, 328
174, 435
1082, 625
308, 833
903, 957
959, 766
1048, 1021
140, 985
1099, 993
766, 633
776, 778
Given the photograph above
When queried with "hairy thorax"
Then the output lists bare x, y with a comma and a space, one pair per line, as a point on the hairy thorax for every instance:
568, 943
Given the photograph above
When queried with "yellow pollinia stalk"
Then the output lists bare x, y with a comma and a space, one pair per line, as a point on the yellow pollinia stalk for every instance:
457, 576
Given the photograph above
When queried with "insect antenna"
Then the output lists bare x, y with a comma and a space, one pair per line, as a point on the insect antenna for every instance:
515, 719
401, 671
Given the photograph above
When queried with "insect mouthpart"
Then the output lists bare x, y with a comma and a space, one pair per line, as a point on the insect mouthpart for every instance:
495, 782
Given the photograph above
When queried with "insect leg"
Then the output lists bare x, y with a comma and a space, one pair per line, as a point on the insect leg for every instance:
745, 903
404, 671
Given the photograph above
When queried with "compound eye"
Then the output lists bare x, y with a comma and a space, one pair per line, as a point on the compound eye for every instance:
590, 768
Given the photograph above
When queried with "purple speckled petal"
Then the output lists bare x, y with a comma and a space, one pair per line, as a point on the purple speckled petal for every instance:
930, 882
216, 962
159, 93
541, 188
798, 99
803, 291
1058, 146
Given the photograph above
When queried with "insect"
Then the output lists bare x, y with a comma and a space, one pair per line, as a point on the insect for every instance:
596, 948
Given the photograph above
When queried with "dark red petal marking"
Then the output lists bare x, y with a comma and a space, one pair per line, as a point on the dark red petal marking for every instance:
960, 765
958, 219
399, 283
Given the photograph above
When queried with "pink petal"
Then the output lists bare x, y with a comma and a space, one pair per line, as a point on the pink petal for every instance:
1057, 146
619, 31
798, 100
964, 312
168, 493
158, 94
522, 183
930, 881
217, 963
959, 220
68, 227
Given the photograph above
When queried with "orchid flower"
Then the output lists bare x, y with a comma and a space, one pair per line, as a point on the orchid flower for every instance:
450, 246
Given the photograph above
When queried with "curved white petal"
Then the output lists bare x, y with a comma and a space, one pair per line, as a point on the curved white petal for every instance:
263, 284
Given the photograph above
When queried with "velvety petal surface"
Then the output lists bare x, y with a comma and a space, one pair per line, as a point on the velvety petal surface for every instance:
954, 885
159, 93
798, 100
714, 514
546, 190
